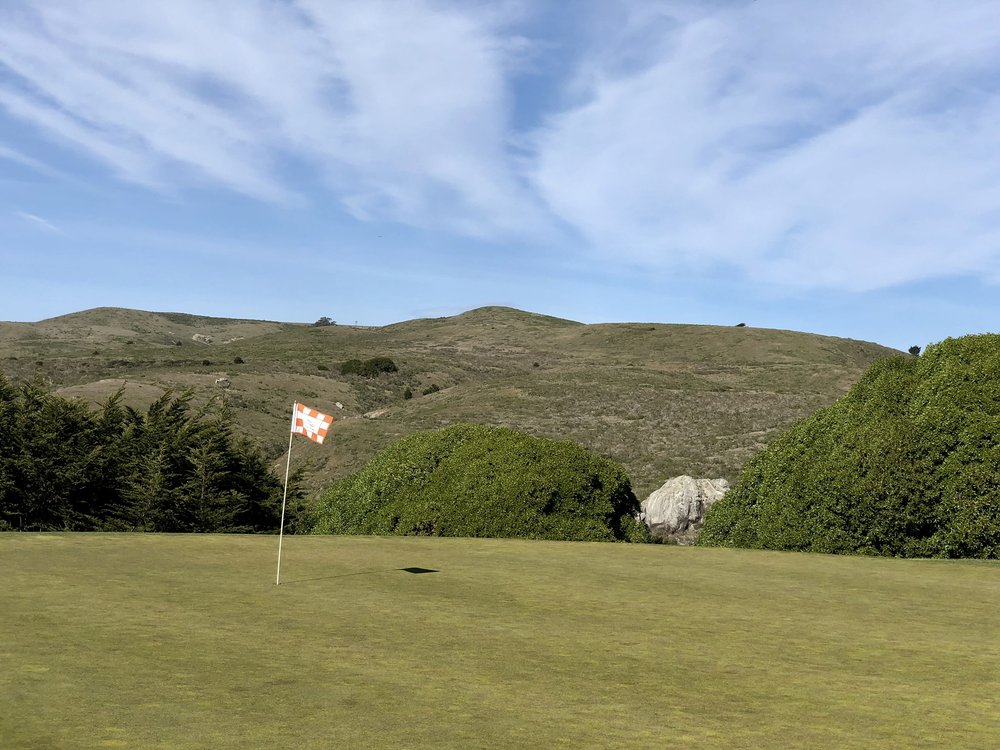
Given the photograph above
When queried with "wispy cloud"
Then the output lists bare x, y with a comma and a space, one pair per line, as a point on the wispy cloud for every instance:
850, 145
39, 222
399, 107
13, 155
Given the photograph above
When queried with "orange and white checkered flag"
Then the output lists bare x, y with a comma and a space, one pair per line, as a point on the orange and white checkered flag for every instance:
311, 423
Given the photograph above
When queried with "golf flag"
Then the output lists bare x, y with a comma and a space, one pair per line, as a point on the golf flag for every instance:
311, 423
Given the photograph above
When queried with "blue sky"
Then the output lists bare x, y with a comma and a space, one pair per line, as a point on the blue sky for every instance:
827, 167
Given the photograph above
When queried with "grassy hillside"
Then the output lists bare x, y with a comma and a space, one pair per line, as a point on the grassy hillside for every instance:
182, 642
661, 399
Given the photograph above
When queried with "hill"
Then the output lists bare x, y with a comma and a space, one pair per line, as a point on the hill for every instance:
660, 399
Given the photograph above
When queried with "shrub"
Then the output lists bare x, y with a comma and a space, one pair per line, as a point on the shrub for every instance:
432, 388
407, 394
480, 481
907, 464
322, 367
238, 361
369, 368
914, 350
324, 321
206, 362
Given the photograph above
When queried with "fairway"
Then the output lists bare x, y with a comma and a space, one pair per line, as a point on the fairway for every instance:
161, 641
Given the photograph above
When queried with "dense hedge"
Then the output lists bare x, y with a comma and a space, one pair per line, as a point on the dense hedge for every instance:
479, 481
907, 464
66, 466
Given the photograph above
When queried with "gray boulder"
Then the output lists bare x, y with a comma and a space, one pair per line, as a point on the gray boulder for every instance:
676, 510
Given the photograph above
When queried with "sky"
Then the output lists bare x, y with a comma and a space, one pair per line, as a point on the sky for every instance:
825, 167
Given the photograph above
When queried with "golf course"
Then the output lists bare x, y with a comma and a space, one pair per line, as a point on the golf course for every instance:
518, 375
185, 641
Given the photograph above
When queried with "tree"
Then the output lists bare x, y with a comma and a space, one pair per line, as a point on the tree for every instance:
206, 487
324, 321
914, 350
66, 466
48, 466
149, 497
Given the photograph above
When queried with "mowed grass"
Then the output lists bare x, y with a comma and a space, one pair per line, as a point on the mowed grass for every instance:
158, 641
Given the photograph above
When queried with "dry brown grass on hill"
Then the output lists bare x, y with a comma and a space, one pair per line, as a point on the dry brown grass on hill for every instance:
662, 399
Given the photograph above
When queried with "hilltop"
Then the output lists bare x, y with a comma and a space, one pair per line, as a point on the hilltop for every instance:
662, 399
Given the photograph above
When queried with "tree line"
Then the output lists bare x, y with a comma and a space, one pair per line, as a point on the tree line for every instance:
68, 466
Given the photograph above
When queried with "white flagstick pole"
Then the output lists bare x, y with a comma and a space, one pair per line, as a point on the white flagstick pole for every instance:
288, 463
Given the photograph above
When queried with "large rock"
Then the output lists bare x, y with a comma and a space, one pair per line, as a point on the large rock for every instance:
677, 509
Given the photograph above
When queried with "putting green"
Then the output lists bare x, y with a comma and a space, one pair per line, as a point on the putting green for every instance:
161, 641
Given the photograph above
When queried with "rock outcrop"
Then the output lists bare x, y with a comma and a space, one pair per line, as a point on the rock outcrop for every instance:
676, 511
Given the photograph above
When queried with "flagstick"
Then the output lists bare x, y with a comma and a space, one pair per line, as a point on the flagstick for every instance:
288, 463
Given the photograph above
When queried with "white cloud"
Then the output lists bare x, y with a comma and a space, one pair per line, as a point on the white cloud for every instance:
400, 107
847, 144
850, 144
38, 221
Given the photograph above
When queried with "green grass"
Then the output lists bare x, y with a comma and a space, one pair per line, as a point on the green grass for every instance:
184, 642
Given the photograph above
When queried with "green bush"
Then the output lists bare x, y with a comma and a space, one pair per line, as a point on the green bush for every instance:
907, 464
369, 368
480, 481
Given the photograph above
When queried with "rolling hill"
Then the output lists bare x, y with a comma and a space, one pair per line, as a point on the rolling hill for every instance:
662, 399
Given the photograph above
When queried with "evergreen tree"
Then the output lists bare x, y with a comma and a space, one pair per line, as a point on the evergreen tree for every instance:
65, 466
